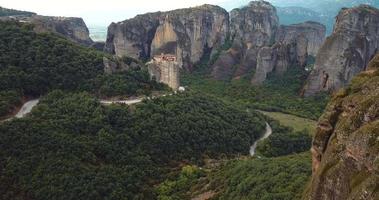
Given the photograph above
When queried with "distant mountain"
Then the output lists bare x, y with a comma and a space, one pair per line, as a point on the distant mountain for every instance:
295, 15
297, 11
292, 15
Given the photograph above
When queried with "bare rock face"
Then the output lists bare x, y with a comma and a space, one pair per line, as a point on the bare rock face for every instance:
314, 33
345, 148
186, 33
293, 45
133, 37
252, 27
69, 27
355, 40
260, 44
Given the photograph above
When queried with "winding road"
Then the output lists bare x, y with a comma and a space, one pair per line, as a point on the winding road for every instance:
26, 108
29, 105
139, 100
127, 102
266, 135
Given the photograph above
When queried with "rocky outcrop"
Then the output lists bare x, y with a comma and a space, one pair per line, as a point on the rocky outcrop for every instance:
133, 37
252, 27
293, 45
187, 33
279, 58
354, 41
313, 32
70, 27
345, 149
261, 45
116, 64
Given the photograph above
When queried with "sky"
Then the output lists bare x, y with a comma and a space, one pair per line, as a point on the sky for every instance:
103, 12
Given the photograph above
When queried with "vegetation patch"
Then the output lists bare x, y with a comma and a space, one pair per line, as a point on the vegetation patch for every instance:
72, 147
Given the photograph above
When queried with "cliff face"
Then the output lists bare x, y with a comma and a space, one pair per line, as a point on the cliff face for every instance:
187, 33
293, 45
70, 27
132, 37
260, 44
314, 33
252, 27
354, 41
345, 148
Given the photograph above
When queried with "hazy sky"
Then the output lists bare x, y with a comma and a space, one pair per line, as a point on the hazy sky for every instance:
103, 12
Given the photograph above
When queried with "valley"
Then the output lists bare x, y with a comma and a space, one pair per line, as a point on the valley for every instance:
195, 103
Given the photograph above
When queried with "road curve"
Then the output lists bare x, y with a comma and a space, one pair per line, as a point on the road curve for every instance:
127, 102
26, 108
266, 135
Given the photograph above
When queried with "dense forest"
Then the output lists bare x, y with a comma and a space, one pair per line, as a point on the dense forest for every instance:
33, 64
265, 179
280, 170
278, 93
273, 178
284, 141
72, 147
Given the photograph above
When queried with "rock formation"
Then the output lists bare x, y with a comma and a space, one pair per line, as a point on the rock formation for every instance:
314, 33
116, 64
293, 45
354, 41
187, 33
260, 44
70, 27
132, 37
165, 68
345, 149
252, 27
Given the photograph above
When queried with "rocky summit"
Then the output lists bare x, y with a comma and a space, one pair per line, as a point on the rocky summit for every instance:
293, 45
261, 45
346, 146
354, 42
73, 28
187, 33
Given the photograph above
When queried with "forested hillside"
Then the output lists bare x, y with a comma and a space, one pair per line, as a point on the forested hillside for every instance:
32, 64
71, 147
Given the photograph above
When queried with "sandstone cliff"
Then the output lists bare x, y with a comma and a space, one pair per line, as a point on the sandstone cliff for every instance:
314, 33
345, 148
252, 27
133, 37
187, 33
70, 27
293, 45
354, 41
261, 45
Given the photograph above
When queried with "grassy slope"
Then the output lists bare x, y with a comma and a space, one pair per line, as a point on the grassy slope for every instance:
297, 123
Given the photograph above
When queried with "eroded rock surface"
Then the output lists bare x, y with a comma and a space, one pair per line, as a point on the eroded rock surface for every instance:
345, 148
252, 27
355, 40
72, 28
261, 45
187, 33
